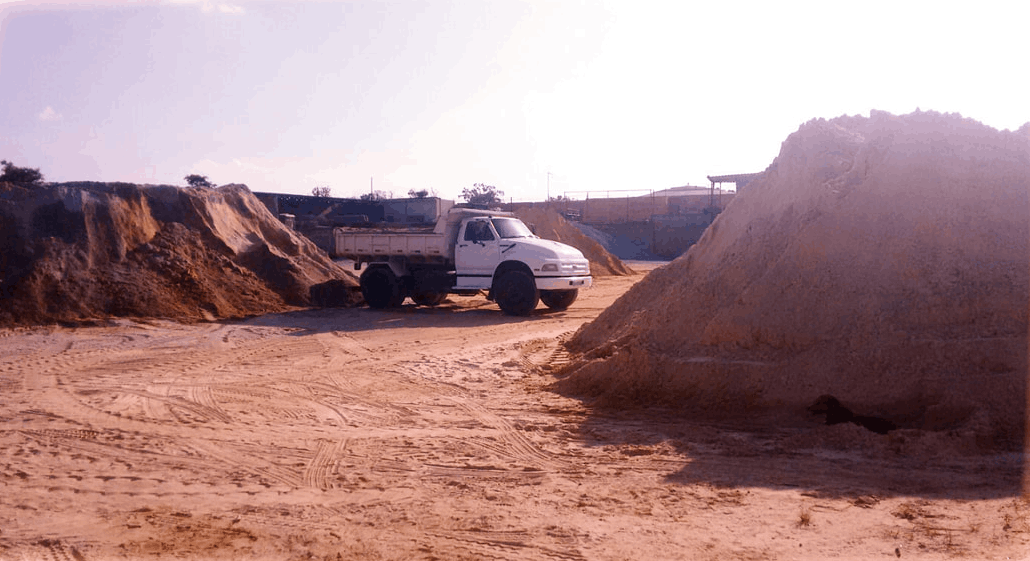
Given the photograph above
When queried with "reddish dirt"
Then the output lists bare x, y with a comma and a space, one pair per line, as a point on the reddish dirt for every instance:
423, 433
881, 260
78, 252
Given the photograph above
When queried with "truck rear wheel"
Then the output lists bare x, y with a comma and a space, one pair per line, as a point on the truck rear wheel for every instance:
428, 298
558, 299
516, 293
381, 288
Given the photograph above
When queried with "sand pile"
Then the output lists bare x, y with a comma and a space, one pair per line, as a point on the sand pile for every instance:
80, 251
882, 260
550, 225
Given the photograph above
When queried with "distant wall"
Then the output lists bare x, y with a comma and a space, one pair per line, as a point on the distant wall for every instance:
662, 238
637, 209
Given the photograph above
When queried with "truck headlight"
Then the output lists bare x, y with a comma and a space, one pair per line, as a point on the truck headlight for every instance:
549, 267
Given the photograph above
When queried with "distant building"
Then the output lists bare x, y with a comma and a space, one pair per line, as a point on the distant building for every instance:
739, 179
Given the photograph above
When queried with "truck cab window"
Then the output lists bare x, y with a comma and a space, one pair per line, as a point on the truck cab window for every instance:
511, 228
478, 231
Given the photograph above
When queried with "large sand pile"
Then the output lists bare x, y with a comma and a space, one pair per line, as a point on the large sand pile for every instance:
80, 251
882, 260
550, 225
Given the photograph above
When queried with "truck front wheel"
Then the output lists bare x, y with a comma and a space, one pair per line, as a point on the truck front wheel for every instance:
558, 299
516, 293
381, 288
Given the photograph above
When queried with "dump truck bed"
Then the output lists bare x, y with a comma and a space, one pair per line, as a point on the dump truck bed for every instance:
372, 245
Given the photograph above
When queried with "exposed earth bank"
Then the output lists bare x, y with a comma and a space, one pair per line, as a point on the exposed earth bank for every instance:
880, 260
75, 252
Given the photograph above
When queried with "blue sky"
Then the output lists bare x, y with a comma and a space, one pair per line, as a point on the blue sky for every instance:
440, 94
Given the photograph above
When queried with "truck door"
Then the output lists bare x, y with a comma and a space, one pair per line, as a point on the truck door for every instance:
477, 253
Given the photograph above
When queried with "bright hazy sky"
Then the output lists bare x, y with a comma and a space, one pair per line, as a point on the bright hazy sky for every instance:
441, 94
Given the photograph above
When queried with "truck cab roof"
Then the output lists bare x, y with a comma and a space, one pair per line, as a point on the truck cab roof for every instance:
449, 223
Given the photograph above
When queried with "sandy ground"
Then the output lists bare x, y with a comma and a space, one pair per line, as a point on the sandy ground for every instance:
432, 434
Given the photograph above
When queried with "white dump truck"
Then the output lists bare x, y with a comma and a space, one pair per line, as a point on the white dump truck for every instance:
467, 251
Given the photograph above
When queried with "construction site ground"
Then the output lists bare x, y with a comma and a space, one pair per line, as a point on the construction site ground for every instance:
423, 433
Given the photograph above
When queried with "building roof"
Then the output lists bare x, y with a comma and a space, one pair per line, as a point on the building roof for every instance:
734, 178
684, 190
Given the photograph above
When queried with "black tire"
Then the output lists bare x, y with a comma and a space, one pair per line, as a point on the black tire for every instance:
381, 288
429, 298
516, 293
558, 299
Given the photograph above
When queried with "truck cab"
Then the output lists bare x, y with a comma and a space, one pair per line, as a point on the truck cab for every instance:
502, 255
486, 242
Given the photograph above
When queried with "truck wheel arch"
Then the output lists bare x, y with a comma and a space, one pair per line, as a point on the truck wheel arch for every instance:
506, 266
514, 288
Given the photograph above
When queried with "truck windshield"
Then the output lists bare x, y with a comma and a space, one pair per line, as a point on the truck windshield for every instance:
511, 228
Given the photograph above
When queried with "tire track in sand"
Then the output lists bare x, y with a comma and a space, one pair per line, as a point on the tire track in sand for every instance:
53, 550
323, 464
511, 444
486, 544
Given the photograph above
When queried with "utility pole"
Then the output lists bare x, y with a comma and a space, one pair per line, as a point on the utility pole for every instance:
548, 187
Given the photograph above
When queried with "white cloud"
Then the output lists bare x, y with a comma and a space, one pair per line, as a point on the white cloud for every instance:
49, 115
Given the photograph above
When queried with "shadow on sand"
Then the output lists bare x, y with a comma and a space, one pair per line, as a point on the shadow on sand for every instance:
794, 451
454, 313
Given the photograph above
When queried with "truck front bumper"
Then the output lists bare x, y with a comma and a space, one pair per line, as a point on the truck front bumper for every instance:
563, 283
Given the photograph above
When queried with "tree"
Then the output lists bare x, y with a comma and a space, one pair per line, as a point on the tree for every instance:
195, 180
481, 194
322, 191
376, 196
420, 194
19, 175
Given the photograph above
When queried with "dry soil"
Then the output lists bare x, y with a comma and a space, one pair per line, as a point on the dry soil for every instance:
427, 433
883, 260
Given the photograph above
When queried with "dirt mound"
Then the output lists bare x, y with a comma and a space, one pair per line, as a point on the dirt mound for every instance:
80, 251
882, 260
550, 225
